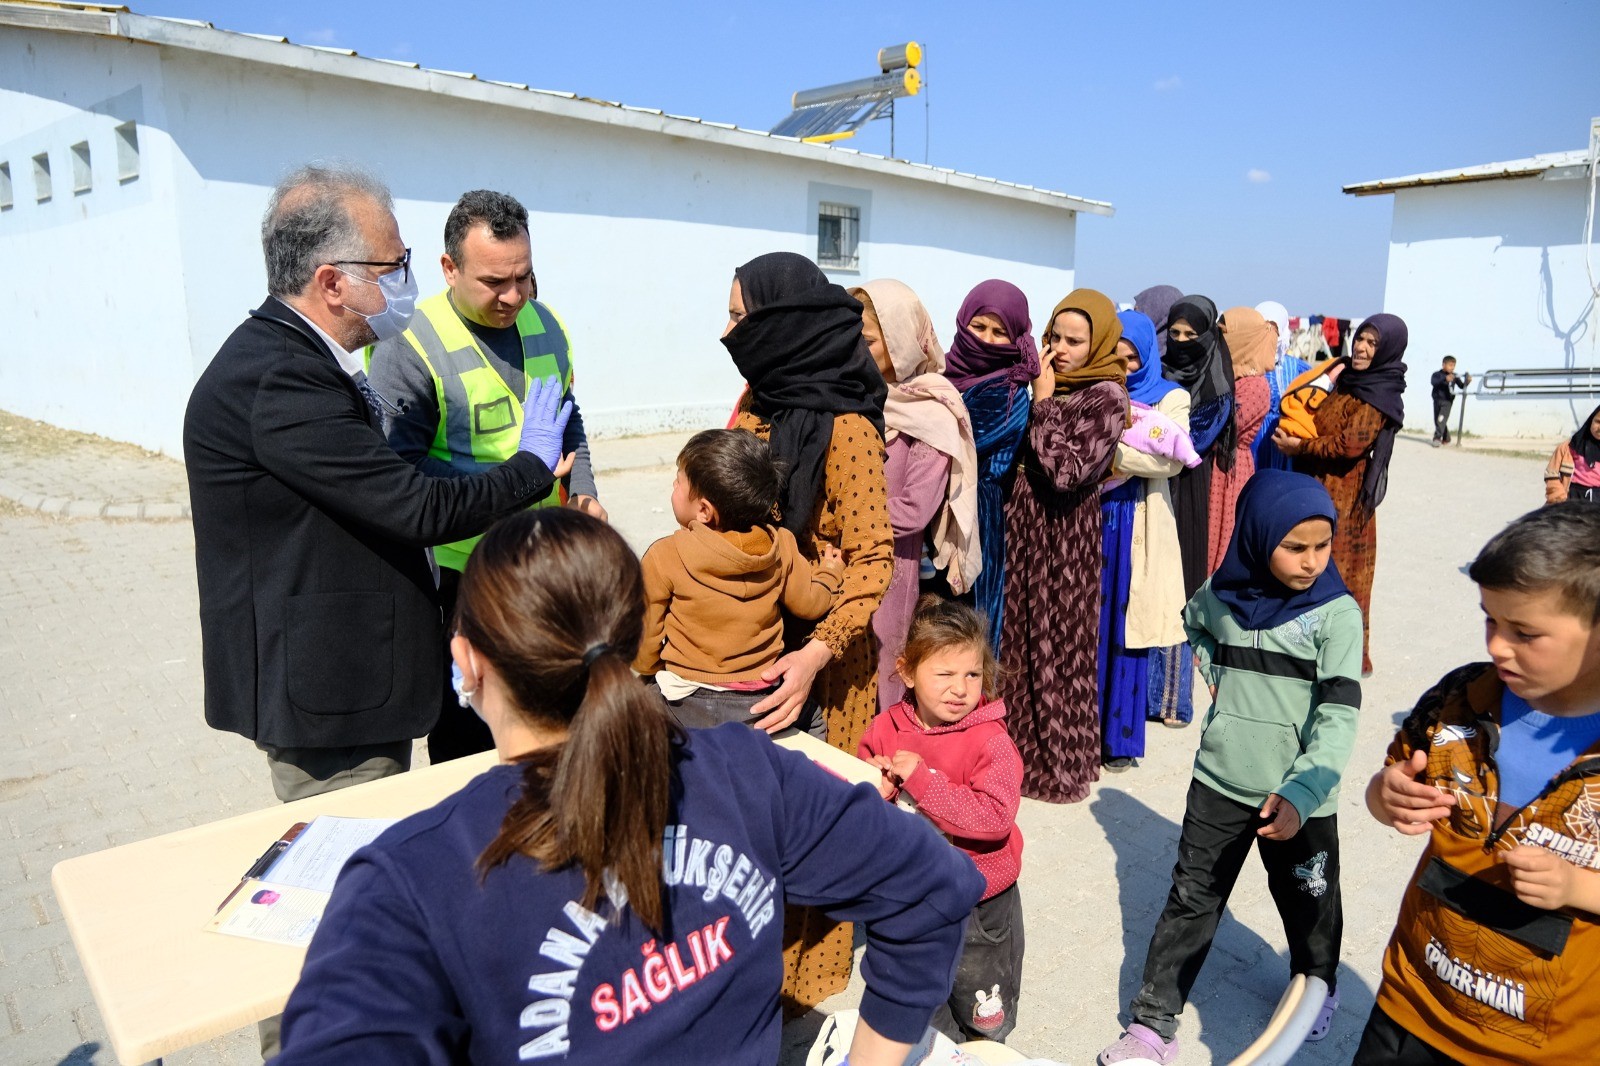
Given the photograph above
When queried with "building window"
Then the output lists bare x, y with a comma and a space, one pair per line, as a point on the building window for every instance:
41, 177
127, 151
5, 187
838, 236
82, 172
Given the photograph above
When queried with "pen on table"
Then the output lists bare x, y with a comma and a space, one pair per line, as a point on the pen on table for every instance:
259, 867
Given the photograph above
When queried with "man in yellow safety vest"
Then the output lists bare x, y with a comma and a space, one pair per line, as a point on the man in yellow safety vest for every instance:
456, 381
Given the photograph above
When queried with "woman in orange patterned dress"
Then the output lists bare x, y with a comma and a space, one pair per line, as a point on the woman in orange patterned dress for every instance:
1253, 349
1356, 425
816, 395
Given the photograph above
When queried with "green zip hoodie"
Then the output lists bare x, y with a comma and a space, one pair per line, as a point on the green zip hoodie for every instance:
1284, 716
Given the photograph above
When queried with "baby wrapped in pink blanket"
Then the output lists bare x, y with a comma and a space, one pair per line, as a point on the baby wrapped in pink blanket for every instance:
1154, 433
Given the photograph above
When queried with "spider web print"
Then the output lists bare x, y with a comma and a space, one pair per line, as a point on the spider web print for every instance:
1583, 817
1574, 807
1493, 970
1453, 768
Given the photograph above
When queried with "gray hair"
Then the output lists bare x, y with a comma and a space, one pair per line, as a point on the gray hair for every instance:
309, 223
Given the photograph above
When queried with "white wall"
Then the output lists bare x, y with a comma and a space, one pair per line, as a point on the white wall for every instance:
95, 331
1492, 272
636, 234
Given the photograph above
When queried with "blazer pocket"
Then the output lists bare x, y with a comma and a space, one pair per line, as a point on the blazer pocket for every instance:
340, 651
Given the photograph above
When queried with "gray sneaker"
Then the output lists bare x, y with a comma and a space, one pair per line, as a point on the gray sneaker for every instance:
1140, 1046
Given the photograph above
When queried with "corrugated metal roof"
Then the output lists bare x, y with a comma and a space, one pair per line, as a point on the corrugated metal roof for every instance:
116, 20
1533, 167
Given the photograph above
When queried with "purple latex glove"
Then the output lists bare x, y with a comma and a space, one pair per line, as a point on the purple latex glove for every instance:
544, 421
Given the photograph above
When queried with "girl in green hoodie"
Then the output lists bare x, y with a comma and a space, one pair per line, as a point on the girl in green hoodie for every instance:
1278, 638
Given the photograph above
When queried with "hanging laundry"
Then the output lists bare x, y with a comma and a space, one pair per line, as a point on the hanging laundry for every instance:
1331, 332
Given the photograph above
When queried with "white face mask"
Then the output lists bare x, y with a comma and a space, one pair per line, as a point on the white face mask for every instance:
464, 695
399, 288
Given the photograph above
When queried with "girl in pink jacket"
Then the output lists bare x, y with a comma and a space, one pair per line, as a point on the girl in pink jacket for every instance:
944, 749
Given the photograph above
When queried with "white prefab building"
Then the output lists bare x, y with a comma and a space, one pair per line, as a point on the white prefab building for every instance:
137, 153
1488, 263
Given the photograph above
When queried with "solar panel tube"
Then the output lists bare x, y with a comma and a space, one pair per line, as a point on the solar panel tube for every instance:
905, 82
900, 55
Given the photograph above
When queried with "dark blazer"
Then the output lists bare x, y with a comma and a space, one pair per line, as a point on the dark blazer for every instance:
319, 622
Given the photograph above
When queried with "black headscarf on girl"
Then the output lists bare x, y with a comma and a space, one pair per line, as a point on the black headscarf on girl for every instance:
1584, 442
1202, 366
799, 346
1382, 385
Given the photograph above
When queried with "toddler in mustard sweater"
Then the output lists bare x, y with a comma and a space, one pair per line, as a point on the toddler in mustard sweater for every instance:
717, 589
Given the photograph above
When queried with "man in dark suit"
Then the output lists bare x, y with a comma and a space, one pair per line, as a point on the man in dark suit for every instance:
322, 638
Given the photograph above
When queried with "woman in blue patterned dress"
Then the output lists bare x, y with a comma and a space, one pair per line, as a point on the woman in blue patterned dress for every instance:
993, 361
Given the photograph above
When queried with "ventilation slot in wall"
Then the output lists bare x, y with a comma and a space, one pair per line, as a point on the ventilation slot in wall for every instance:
82, 172
41, 177
127, 151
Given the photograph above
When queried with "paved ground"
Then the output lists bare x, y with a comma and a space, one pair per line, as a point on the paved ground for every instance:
105, 744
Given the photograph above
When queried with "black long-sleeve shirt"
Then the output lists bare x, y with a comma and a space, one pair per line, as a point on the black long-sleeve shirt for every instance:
1443, 382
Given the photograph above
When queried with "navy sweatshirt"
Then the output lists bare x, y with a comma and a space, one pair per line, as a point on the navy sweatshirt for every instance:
417, 961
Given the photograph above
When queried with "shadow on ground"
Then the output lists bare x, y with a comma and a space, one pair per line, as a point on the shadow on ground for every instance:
1243, 976
82, 1055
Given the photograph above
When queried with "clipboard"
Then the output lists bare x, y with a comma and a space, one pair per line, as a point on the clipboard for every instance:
281, 898
259, 868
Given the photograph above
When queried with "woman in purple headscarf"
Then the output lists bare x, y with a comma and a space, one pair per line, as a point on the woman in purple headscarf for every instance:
1155, 303
992, 356
1350, 453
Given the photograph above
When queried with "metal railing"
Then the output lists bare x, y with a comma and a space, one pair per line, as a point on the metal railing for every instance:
1527, 381
1552, 381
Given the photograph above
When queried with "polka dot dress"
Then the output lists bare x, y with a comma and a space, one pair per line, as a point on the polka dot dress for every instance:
853, 515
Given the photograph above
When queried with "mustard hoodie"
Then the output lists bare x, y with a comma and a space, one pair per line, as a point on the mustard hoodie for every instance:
714, 601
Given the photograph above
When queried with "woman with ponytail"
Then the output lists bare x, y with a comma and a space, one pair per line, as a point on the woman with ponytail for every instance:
613, 890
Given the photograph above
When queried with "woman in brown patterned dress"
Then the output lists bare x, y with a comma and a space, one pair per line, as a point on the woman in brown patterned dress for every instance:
817, 396
1053, 549
1350, 453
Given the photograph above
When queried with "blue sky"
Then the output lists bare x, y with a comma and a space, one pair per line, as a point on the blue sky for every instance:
1222, 133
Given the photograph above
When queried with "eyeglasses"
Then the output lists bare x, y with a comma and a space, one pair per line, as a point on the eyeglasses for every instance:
403, 263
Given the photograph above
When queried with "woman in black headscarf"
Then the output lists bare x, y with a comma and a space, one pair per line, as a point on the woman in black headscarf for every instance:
1356, 425
1197, 361
816, 394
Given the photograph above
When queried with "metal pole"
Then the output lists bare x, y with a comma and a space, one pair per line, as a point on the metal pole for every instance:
1461, 419
891, 127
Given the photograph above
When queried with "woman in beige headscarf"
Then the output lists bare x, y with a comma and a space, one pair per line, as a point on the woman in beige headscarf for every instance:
932, 464
1253, 346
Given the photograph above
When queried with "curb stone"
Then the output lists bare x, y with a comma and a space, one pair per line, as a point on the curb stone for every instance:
636, 453
74, 507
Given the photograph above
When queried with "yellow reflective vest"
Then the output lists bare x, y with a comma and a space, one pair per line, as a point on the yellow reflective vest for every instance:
480, 417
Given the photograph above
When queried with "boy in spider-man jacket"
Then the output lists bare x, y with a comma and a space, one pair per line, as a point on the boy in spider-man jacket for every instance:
1496, 954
